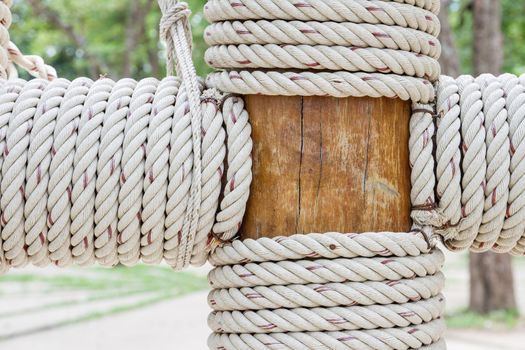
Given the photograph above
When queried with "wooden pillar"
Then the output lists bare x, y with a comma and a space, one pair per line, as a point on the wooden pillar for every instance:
325, 164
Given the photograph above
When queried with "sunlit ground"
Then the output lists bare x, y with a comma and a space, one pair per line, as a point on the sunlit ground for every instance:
146, 307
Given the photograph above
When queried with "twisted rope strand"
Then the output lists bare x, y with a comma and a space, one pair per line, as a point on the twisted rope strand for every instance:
338, 84
498, 162
38, 165
345, 34
323, 58
326, 294
412, 337
156, 169
327, 319
514, 226
61, 171
327, 245
325, 271
357, 11
9, 92
84, 171
13, 172
239, 174
448, 155
109, 172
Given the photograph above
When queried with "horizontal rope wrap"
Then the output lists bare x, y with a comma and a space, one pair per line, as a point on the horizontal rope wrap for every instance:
327, 245
413, 337
281, 32
372, 36
336, 84
384, 293
356, 11
332, 58
326, 294
327, 319
101, 171
325, 270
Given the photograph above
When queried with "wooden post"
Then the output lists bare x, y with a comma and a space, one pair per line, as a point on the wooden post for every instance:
325, 164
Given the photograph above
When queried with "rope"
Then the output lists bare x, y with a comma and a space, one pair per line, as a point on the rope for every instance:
424, 336
277, 291
101, 171
327, 48
118, 172
323, 58
332, 290
479, 163
356, 11
114, 172
325, 271
338, 84
345, 34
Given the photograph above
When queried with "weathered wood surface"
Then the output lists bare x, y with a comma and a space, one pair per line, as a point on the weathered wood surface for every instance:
326, 164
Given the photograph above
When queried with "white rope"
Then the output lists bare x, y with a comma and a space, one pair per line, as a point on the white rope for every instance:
356, 11
37, 176
120, 172
282, 35
337, 84
325, 271
108, 172
479, 130
427, 334
14, 165
101, 171
280, 32
386, 294
327, 319
323, 58
514, 225
448, 152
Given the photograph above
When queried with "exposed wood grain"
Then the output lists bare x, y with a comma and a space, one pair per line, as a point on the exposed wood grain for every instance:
325, 164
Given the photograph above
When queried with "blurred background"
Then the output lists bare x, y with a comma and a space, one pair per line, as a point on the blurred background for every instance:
135, 308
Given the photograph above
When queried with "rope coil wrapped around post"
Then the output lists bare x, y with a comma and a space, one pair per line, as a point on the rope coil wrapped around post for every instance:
118, 172
331, 290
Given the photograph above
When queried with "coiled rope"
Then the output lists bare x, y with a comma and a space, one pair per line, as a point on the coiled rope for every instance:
340, 48
118, 172
479, 157
115, 172
331, 290
328, 291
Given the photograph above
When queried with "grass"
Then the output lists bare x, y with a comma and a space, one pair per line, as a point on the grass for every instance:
123, 288
503, 320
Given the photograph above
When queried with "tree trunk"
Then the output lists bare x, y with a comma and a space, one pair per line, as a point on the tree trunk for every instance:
491, 279
449, 59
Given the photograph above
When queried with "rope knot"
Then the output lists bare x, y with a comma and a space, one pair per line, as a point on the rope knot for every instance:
175, 13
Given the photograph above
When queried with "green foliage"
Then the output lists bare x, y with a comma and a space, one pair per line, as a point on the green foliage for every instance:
513, 15
102, 25
504, 319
